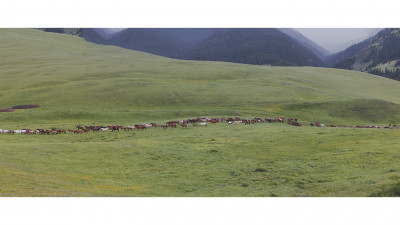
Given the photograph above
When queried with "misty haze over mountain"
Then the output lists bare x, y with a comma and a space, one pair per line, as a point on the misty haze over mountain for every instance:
331, 39
337, 39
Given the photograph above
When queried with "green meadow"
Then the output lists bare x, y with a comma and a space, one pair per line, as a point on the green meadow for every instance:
77, 82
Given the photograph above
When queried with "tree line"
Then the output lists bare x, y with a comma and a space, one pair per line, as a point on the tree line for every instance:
393, 73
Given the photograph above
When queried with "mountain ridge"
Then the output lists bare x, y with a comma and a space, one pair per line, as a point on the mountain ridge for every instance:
181, 43
379, 55
253, 46
321, 52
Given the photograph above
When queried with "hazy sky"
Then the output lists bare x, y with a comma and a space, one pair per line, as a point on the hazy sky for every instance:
337, 39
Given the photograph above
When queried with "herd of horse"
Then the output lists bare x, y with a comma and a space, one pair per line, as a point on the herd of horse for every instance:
170, 124
173, 124
394, 126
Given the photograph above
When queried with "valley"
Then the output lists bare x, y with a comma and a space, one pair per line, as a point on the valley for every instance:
76, 82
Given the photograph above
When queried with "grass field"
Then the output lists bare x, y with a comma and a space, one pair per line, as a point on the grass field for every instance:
76, 82
218, 160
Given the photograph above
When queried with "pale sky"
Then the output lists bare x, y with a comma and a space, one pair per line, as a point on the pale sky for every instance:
337, 39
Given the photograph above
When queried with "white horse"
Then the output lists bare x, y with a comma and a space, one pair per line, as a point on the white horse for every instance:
104, 129
203, 124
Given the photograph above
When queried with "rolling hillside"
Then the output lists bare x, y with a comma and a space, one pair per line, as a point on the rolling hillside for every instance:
76, 81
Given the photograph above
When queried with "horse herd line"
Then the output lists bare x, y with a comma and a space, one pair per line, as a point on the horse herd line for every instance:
173, 124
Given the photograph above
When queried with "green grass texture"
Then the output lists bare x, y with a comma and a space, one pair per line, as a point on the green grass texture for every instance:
77, 82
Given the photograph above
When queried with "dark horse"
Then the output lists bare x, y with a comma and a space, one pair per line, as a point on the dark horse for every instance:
114, 128
141, 127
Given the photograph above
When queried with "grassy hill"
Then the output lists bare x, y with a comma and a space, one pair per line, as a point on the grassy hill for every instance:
77, 82
73, 80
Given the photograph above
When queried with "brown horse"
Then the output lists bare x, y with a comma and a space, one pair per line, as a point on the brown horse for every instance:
140, 127
114, 128
96, 129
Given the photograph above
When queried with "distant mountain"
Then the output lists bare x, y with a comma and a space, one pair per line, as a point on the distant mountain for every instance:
107, 33
165, 42
253, 46
189, 35
93, 35
104, 33
316, 49
338, 59
380, 55
151, 41
339, 47
250, 46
